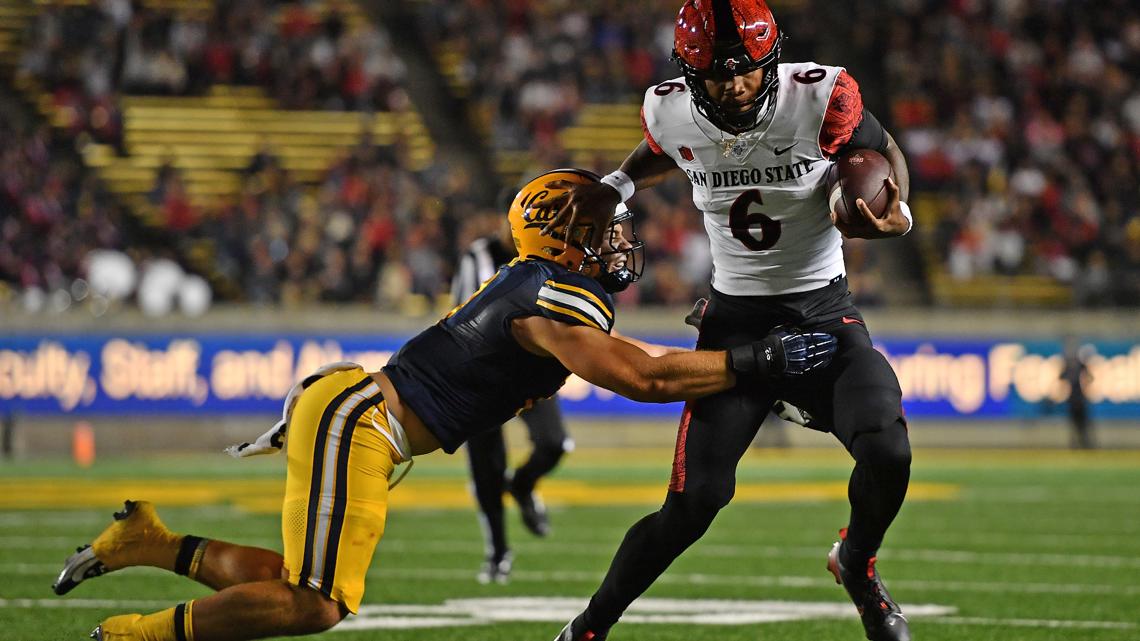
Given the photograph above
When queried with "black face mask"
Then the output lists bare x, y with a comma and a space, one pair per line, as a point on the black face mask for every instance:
734, 122
618, 281
629, 273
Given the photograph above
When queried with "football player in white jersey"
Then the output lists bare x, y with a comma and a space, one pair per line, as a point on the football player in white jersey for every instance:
755, 138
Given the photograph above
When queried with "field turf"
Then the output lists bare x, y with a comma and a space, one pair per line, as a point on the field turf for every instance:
1002, 545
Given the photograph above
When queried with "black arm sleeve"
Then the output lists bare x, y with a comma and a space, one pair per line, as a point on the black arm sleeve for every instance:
868, 135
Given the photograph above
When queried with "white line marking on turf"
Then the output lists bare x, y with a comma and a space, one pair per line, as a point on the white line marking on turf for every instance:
805, 582
465, 612
69, 519
648, 610
440, 574
110, 604
1038, 623
700, 550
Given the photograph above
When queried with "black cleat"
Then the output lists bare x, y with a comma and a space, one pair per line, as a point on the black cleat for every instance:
576, 630
883, 620
496, 569
532, 509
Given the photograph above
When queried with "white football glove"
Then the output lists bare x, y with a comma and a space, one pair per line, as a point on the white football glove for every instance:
793, 414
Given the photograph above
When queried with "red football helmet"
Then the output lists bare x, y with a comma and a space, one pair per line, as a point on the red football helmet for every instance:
724, 38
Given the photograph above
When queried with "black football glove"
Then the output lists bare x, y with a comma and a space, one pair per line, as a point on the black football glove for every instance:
784, 352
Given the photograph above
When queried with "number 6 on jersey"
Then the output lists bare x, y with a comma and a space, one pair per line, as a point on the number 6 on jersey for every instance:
741, 221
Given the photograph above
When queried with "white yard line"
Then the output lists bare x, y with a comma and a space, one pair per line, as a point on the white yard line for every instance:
799, 582
555, 610
1001, 587
471, 545
1037, 623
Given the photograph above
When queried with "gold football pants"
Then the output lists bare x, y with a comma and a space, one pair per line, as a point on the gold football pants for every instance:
336, 493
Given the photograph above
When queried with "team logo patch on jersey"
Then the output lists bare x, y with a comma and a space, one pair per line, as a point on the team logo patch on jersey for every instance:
685, 152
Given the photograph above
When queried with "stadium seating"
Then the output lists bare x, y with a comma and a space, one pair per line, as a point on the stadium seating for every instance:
212, 138
14, 18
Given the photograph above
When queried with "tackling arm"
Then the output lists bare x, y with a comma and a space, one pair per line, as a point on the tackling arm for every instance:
649, 348
618, 365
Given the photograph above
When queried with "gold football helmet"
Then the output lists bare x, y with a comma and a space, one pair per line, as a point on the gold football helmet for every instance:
616, 263
530, 211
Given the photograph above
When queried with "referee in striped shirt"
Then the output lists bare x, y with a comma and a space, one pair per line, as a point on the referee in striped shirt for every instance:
487, 452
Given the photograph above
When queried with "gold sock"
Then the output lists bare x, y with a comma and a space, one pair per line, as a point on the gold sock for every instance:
171, 624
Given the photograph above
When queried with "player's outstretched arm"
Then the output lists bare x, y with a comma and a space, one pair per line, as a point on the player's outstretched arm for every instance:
652, 349
620, 366
595, 202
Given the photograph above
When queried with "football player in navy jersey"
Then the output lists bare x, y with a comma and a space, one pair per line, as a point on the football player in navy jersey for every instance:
541, 317
755, 137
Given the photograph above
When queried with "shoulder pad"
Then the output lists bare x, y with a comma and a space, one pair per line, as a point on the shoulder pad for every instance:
576, 299
667, 101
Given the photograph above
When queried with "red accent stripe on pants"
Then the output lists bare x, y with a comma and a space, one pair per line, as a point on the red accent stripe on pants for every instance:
677, 480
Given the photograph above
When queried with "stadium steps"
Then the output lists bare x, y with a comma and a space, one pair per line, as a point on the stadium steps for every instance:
602, 131
211, 138
605, 132
15, 16
450, 60
1000, 291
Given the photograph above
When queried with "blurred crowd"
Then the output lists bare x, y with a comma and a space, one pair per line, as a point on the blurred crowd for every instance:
1023, 118
65, 242
530, 66
372, 231
87, 55
51, 213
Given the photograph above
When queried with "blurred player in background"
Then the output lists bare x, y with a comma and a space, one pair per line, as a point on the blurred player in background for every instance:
1076, 374
754, 138
516, 340
487, 452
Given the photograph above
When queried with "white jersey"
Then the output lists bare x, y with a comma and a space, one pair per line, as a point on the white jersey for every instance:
763, 194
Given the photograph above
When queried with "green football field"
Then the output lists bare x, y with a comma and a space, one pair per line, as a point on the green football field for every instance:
992, 544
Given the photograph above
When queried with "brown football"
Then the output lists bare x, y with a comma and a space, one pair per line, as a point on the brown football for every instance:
861, 173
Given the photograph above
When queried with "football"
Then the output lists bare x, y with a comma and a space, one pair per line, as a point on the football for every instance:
861, 173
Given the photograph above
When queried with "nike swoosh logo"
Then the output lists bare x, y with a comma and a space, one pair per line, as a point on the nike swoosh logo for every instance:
847, 320
781, 152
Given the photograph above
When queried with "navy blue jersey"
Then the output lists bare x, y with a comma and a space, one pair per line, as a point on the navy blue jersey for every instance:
467, 374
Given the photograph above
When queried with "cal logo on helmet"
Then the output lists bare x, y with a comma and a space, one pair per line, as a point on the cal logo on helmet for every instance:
531, 211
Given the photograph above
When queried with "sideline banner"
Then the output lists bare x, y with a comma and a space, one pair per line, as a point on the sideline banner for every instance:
250, 374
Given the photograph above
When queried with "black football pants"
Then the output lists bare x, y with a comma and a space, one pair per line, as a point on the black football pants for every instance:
857, 395
487, 454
